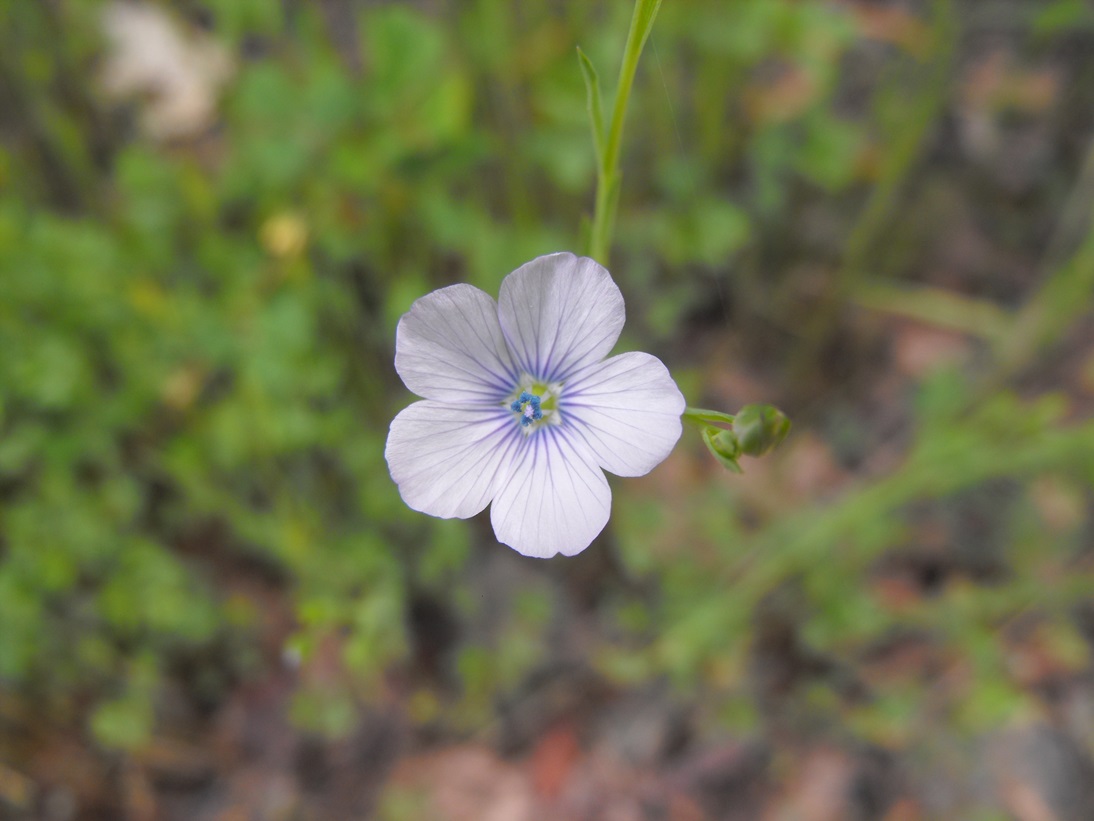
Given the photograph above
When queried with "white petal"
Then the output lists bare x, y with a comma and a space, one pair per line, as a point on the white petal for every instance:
556, 499
450, 461
626, 410
560, 313
450, 343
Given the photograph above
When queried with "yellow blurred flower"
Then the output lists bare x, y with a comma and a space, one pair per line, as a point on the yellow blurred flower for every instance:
284, 235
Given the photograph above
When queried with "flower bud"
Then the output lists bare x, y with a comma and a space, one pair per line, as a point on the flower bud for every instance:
760, 428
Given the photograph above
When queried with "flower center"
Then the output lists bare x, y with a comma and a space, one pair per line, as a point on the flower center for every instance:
535, 403
528, 406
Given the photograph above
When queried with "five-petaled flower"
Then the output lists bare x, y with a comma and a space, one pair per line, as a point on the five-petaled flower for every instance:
522, 410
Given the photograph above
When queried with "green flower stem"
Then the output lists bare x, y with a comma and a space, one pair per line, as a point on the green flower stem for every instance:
702, 418
608, 177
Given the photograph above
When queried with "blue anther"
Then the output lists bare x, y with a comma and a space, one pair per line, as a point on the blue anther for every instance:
527, 405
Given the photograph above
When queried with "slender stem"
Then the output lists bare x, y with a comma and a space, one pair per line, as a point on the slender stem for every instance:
608, 177
920, 113
701, 417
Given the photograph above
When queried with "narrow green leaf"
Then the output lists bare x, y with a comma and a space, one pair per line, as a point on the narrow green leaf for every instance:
594, 105
643, 19
939, 307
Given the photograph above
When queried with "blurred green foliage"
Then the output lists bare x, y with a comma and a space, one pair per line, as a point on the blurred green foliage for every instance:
196, 341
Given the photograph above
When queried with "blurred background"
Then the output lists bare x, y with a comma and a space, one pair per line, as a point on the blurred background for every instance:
213, 604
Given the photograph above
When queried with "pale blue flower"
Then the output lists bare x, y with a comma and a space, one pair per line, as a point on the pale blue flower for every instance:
521, 409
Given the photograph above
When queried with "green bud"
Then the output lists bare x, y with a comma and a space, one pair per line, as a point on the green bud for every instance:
760, 428
724, 446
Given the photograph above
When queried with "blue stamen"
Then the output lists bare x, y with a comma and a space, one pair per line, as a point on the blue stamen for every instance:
527, 405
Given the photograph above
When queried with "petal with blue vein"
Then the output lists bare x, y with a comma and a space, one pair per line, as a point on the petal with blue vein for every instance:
560, 313
627, 412
449, 346
450, 461
556, 499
